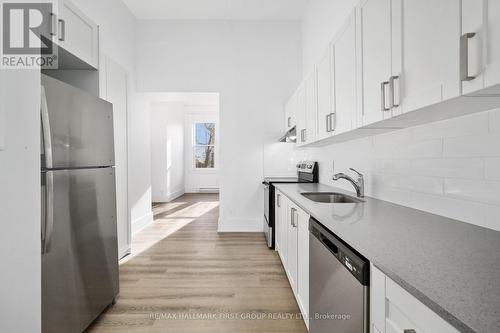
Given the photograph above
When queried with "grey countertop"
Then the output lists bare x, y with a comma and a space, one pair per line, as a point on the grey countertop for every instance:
450, 266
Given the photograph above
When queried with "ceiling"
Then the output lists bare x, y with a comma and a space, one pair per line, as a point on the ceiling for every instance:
217, 9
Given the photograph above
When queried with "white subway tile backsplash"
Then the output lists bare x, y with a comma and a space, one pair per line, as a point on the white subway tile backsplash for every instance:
468, 125
398, 166
492, 220
485, 191
421, 149
411, 183
493, 168
495, 120
485, 145
466, 211
450, 168
465, 168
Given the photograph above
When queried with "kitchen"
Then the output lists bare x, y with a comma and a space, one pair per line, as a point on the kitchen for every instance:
412, 107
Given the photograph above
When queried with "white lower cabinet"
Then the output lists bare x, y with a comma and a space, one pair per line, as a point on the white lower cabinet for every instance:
292, 233
292, 245
394, 310
303, 263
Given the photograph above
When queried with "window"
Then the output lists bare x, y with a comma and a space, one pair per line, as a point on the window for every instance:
204, 145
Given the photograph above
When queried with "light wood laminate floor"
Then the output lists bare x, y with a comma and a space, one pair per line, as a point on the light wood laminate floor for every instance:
183, 276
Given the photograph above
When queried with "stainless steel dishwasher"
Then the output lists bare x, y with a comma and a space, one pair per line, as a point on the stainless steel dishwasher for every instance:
338, 287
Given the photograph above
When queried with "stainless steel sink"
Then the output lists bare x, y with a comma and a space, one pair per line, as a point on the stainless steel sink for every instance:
331, 197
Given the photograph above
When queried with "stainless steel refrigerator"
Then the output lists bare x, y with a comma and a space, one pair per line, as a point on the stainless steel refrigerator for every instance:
79, 236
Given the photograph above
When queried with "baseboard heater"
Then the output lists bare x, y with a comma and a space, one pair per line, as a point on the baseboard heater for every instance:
208, 190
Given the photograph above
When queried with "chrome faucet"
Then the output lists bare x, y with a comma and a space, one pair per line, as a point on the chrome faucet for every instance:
358, 184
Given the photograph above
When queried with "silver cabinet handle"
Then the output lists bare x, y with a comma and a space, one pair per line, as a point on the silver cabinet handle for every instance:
48, 219
409, 331
393, 91
62, 28
305, 135
278, 201
382, 92
333, 122
289, 121
328, 129
294, 213
464, 56
53, 25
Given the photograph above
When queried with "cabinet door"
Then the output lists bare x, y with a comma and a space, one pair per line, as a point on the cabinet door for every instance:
283, 230
301, 115
345, 77
311, 107
481, 21
405, 312
290, 111
375, 52
77, 33
292, 243
277, 220
430, 52
377, 300
303, 262
325, 95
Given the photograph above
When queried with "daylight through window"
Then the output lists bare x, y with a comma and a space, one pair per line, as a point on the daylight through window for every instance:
204, 145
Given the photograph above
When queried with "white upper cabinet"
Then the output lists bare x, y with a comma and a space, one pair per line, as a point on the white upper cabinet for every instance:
480, 46
290, 112
311, 107
430, 51
301, 114
344, 89
77, 33
326, 97
374, 59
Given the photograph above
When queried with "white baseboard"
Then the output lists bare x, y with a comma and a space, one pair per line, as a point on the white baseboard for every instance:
198, 190
124, 251
169, 197
241, 225
141, 223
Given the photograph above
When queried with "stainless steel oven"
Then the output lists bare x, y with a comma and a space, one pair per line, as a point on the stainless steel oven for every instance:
307, 172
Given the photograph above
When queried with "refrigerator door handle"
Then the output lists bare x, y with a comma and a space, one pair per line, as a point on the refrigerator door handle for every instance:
47, 137
48, 219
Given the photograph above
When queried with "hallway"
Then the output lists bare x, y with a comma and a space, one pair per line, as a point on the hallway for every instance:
183, 276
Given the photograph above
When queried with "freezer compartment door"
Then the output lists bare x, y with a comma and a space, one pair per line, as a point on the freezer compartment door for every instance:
77, 127
80, 263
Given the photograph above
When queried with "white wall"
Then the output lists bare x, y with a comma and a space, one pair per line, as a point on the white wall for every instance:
167, 151
197, 179
255, 66
117, 40
450, 168
321, 21
20, 278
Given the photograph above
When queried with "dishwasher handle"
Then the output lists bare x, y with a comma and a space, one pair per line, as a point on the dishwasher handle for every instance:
329, 244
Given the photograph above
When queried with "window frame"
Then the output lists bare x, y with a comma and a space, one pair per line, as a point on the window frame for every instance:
195, 145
